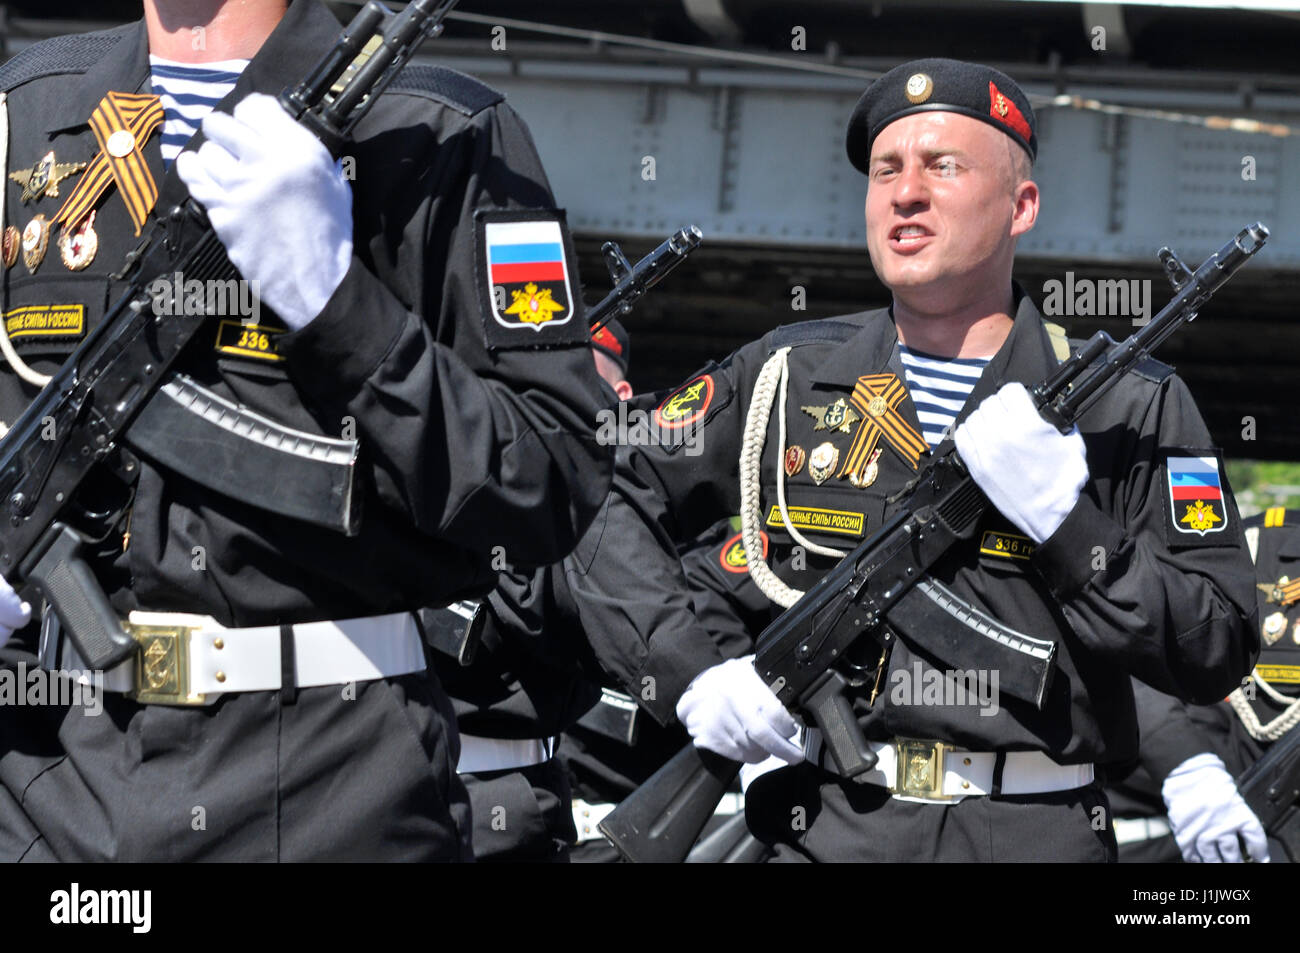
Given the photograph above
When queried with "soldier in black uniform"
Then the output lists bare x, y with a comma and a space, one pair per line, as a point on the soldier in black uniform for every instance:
1087, 543
449, 340
525, 676
615, 747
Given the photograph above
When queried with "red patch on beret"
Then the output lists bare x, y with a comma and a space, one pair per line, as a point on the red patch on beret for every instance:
1005, 111
605, 338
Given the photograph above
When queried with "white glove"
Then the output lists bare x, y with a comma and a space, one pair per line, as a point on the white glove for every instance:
1026, 467
1207, 813
729, 710
277, 201
14, 612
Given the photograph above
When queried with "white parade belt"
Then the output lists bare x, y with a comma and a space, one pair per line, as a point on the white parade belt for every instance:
193, 659
479, 755
587, 816
932, 771
1130, 830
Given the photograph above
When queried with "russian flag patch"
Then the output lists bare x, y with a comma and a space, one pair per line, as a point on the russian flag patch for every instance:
1197, 504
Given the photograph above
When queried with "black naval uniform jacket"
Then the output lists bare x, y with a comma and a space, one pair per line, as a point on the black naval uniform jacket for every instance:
477, 439
1173, 609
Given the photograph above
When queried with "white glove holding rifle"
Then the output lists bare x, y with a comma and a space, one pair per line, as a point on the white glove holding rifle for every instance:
279, 203
14, 612
728, 709
1027, 468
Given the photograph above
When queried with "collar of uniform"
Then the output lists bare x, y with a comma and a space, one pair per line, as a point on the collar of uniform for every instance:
1025, 356
125, 69
298, 41
866, 352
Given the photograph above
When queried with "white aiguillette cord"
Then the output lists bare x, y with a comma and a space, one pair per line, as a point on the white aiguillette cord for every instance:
6, 346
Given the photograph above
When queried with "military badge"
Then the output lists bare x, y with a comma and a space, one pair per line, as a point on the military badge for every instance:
686, 405
1283, 592
869, 472
44, 177
36, 239
1196, 494
12, 242
528, 274
733, 558
1273, 627
794, 458
837, 416
822, 461
918, 89
77, 246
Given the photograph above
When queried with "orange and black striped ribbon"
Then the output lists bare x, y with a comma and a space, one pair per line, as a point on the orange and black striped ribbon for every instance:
140, 114
1290, 592
901, 435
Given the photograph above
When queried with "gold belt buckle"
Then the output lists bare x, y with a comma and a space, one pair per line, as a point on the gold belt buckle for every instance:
162, 666
920, 769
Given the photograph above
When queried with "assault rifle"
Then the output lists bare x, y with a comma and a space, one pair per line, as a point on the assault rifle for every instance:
1271, 786
881, 591
80, 420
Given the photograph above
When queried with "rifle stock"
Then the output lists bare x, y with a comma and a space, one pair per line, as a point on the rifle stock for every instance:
663, 818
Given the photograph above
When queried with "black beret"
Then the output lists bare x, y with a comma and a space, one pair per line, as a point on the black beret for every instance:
943, 86
613, 340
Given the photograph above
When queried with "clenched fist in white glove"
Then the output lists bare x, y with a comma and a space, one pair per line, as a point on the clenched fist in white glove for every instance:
1026, 467
1207, 813
278, 202
14, 613
729, 710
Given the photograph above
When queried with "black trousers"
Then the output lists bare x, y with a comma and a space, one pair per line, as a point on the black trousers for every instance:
522, 815
807, 814
365, 772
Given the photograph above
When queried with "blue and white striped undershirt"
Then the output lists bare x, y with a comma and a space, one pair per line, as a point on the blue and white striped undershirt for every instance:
188, 92
939, 387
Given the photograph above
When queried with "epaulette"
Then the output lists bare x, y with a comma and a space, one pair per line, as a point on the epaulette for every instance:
1274, 517
825, 331
61, 54
1153, 370
462, 93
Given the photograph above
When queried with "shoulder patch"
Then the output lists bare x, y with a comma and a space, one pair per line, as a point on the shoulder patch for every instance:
1199, 508
732, 556
686, 405
463, 93
825, 331
525, 265
61, 54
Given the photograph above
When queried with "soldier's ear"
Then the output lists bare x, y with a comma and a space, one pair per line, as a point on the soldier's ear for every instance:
623, 389
1025, 210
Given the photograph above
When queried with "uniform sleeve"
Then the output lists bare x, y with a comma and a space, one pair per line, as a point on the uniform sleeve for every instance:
1167, 731
1178, 612
670, 484
480, 435
727, 603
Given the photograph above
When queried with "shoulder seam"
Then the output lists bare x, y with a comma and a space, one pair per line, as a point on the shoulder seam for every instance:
822, 331
453, 88
74, 53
